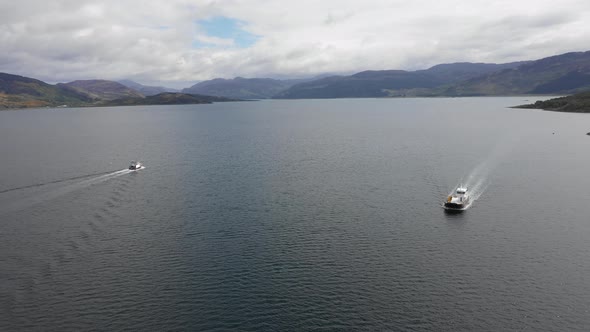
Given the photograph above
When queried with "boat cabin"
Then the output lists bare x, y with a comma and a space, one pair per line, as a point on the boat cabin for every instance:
461, 191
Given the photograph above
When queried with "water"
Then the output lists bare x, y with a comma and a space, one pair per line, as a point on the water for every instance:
295, 215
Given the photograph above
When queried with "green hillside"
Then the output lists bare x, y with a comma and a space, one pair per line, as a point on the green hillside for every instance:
23, 92
240, 88
578, 103
166, 98
561, 74
101, 89
391, 83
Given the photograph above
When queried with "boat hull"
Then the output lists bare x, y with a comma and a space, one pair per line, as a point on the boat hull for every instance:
455, 206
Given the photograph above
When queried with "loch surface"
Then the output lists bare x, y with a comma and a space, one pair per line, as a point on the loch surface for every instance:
295, 215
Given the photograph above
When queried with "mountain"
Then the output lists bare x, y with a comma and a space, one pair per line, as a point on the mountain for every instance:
560, 74
579, 102
166, 98
386, 83
20, 92
101, 89
146, 90
241, 88
363, 84
460, 71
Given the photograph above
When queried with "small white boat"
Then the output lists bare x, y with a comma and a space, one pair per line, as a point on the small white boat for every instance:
135, 165
459, 200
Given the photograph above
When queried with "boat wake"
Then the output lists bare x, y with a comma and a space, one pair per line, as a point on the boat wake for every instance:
98, 179
54, 182
15, 199
476, 182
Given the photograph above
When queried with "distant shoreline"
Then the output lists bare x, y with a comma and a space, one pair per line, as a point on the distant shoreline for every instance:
577, 103
225, 100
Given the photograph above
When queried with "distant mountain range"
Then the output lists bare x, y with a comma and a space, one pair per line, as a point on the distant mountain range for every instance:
391, 83
23, 92
146, 90
561, 74
242, 88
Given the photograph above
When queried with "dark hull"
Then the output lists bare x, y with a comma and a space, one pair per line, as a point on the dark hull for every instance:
455, 206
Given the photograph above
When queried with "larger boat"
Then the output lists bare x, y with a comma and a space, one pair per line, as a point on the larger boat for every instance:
459, 200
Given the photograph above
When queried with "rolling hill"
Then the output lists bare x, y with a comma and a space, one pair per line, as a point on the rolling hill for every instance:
561, 74
360, 85
241, 88
22, 92
101, 89
146, 90
166, 98
388, 83
578, 103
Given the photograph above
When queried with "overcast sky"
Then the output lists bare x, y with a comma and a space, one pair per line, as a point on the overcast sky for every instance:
178, 41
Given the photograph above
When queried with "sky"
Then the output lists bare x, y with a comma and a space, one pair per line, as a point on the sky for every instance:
176, 42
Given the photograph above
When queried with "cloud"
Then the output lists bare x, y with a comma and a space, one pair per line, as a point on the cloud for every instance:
189, 40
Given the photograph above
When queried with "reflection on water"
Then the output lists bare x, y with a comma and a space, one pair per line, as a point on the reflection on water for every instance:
294, 215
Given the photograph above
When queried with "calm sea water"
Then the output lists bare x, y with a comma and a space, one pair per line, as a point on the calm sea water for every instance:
295, 215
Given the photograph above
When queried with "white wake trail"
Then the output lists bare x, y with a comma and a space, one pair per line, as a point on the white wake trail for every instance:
86, 183
36, 198
478, 180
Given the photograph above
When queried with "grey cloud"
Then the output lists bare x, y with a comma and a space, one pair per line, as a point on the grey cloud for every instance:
525, 22
336, 18
66, 40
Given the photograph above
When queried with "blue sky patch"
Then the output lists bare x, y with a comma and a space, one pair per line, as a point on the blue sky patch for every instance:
226, 28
